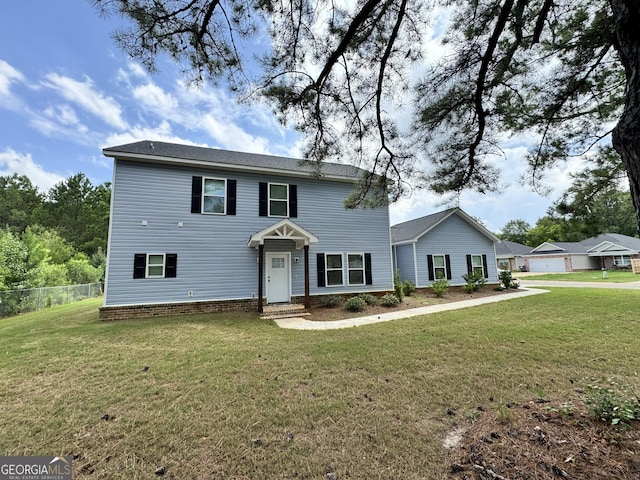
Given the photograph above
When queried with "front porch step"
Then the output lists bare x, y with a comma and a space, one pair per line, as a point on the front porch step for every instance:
273, 312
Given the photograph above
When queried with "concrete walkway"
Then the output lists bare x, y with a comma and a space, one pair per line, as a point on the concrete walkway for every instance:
300, 323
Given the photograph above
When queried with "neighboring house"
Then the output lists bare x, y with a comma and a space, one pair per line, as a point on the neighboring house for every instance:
608, 250
510, 255
447, 244
197, 229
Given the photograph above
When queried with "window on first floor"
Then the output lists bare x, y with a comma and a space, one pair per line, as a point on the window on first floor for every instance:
503, 264
355, 268
331, 269
439, 266
477, 264
622, 260
155, 265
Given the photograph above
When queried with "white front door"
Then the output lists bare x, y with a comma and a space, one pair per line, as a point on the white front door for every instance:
278, 278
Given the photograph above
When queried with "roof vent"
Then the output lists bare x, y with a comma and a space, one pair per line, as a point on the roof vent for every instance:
151, 145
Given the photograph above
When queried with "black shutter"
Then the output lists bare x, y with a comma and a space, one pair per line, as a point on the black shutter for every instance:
484, 266
430, 267
171, 265
367, 269
262, 194
139, 265
293, 201
196, 195
231, 197
447, 259
469, 265
320, 267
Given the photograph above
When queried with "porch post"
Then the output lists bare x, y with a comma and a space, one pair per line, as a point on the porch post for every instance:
260, 275
307, 302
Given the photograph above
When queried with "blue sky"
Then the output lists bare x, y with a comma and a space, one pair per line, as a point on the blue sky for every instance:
67, 91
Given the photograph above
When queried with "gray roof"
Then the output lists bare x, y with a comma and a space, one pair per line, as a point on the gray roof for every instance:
584, 246
411, 230
562, 247
632, 243
506, 248
153, 151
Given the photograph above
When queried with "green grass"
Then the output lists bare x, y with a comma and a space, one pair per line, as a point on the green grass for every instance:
368, 402
613, 276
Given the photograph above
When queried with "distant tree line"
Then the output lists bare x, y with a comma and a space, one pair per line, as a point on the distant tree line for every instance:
597, 202
54, 238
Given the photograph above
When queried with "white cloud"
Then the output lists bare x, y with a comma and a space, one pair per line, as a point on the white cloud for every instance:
23, 164
85, 95
8, 75
161, 133
154, 98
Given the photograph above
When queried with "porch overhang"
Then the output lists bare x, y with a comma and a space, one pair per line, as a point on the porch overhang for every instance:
285, 229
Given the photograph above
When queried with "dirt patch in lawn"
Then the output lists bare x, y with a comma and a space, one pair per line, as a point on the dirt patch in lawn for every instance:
419, 298
541, 440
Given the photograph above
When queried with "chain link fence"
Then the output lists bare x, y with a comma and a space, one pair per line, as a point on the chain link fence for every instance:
13, 302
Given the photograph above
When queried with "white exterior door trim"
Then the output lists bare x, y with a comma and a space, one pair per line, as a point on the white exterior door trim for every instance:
278, 279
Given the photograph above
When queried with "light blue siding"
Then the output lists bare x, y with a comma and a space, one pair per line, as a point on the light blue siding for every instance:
214, 259
457, 238
404, 262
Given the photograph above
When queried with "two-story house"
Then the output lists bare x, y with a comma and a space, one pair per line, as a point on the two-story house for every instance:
197, 229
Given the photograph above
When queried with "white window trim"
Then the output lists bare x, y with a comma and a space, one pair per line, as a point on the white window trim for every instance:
622, 259
224, 198
444, 258
326, 269
285, 200
349, 269
481, 266
164, 265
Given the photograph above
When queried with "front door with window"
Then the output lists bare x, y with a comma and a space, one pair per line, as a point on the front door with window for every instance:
278, 278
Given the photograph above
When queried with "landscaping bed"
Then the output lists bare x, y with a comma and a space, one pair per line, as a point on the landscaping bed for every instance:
422, 297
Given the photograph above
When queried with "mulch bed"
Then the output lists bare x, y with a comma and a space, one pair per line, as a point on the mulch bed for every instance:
420, 298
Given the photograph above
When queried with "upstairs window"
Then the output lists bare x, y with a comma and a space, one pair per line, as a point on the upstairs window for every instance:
214, 196
278, 200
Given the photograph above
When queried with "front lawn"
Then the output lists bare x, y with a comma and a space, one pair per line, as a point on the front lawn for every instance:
613, 276
234, 397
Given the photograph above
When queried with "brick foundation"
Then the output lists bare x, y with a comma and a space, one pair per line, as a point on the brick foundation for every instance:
127, 312
108, 314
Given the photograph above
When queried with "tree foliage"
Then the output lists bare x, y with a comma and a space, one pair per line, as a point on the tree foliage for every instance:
561, 71
598, 200
19, 202
515, 231
53, 239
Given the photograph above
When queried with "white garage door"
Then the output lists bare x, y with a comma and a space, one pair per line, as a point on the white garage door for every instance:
546, 265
